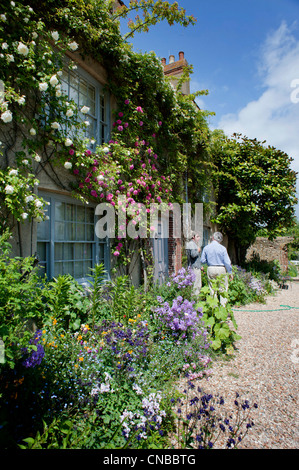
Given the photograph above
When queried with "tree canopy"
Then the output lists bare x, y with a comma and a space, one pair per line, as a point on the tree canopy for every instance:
255, 187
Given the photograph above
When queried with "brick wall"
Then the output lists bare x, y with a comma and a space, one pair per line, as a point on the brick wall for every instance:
267, 250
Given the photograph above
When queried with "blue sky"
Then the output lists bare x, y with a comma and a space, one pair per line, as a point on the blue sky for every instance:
246, 53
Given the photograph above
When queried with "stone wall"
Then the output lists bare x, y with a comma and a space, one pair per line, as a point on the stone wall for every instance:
270, 250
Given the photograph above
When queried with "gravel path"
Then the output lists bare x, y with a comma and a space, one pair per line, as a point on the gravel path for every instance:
265, 370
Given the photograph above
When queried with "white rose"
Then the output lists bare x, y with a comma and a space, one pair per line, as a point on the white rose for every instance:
37, 158
67, 165
85, 109
55, 125
22, 49
24, 215
69, 113
87, 123
73, 45
68, 142
106, 149
6, 116
43, 86
10, 58
32, 131
25, 162
58, 93
38, 203
5, 45
55, 35
29, 198
54, 80
21, 100
3, 17
9, 189
13, 173
34, 35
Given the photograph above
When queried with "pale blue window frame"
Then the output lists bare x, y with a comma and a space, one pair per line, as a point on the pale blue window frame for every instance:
67, 243
87, 91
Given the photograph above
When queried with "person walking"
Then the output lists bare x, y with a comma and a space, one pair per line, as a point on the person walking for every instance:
216, 257
193, 260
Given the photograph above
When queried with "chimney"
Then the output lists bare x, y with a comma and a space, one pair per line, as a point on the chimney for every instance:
163, 61
181, 55
171, 59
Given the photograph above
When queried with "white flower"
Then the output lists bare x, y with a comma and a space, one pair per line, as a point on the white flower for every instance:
9, 189
13, 4
67, 165
73, 46
6, 116
5, 45
24, 215
69, 113
54, 80
25, 162
37, 158
29, 198
55, 125
13, 173
87, 123
68, 142
32, 131
10, 58
55, 35
38, 203
22, 49
3, 17
106, 149
21, 100
85, 109
34, 35
43, 86
58, 93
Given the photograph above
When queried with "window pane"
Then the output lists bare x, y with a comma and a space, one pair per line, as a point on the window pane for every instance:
58, 251
78, 269
87, 268
70, 212
59, 231
68, 251
80, 214
74, 80
59, 210
89, 215
70, 231
87, 251
68, 268
43, 230
79, 251
89, 232
80, 232
57, 269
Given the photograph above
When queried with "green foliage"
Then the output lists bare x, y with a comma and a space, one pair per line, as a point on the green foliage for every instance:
66, 302
218, 319
21, 302
255, 188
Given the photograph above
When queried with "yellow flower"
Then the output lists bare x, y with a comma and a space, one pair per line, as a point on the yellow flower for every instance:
44, 332
54, 321
81, 359
61, 336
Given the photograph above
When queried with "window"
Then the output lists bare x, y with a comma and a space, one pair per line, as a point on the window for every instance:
66, 243
79, 86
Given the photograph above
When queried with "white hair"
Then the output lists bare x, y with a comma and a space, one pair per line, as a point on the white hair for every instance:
218, 237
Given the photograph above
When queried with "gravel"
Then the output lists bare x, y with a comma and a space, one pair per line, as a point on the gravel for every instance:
264, 370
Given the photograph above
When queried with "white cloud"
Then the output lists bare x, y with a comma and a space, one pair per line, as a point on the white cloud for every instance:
274, 116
